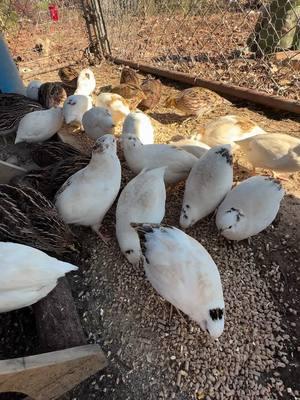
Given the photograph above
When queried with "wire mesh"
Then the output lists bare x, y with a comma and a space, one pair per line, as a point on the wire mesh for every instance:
249, 43
36, 40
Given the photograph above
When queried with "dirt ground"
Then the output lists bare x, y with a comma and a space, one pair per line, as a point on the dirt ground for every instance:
38, 43
154, 356
210, 45
208, 41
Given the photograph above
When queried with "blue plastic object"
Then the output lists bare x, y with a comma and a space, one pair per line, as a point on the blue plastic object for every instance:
10, 80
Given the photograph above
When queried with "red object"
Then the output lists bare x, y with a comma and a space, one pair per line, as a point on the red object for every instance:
53, 12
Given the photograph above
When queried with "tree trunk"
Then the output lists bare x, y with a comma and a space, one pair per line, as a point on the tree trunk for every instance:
57, 321
277, 28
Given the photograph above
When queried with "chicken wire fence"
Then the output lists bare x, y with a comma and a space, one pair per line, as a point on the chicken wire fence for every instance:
252, 44
42, 35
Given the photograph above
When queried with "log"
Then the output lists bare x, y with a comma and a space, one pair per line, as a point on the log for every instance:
66, 358
275, 102
57, 321
59, 329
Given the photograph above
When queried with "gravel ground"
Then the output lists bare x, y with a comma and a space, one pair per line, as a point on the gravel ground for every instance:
153, 355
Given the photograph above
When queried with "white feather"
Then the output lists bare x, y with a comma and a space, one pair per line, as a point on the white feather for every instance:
193, 146
86, 82
97, 122
139, 124
27, 275
115, 104
183, 272
228, 129
149, 156
32, 90
74, 108
275, 151
87, 195
208, 183
142, 200
38, 126
249, 208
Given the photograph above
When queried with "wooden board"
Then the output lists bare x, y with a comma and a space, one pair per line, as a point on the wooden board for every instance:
8, 171
57, 321
48, 376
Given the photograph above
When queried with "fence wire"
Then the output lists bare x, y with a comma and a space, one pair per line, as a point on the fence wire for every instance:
39, 43
250, 43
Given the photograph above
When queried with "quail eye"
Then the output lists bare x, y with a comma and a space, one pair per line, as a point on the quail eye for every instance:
128, 251
230, 227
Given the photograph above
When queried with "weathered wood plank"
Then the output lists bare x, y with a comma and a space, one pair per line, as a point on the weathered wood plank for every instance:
47, 376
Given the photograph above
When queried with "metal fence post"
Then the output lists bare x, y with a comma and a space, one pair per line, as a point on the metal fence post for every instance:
96, 27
